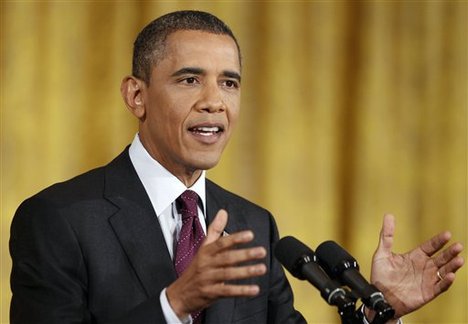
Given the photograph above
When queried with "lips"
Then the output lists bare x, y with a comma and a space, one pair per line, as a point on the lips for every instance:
207, 134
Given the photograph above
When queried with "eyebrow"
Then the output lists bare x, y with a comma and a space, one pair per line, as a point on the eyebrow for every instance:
200, 71
232, 75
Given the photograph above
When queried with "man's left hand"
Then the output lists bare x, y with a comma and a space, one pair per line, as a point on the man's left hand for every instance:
413, 279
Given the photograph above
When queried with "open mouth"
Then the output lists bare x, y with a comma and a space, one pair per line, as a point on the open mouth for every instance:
206, 130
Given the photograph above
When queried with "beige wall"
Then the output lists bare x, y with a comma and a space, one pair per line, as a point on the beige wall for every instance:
350, 110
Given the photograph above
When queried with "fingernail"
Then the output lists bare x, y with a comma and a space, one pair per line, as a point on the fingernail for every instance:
258, 252
247, 235
254, 289
259, 269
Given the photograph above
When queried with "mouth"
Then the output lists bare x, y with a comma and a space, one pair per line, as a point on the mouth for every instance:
207, 134
206, 130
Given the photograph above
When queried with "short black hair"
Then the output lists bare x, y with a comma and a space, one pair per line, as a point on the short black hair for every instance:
149, 45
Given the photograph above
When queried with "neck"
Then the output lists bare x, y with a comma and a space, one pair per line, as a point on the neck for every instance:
188, 178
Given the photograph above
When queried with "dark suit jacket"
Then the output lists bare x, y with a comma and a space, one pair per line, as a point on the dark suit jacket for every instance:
90, 250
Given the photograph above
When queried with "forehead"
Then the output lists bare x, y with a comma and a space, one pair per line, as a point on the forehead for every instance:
189, 47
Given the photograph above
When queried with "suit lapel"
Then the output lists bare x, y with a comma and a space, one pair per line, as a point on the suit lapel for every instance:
222, 310
137, 227
215, 202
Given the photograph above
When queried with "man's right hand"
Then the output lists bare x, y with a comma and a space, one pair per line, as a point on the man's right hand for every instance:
215, 263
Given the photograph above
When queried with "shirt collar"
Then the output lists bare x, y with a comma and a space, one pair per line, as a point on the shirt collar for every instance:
162, 187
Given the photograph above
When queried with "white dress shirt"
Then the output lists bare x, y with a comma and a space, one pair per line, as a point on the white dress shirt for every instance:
163, 188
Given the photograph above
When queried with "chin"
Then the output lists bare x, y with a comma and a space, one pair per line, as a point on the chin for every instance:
205, 163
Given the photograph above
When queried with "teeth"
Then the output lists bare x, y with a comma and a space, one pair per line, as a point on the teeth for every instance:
207, 129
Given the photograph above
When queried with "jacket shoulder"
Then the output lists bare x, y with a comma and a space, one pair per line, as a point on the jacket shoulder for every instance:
81, 187
86, 186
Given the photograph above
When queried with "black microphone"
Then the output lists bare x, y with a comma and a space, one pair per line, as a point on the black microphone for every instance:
300, 261
339, 264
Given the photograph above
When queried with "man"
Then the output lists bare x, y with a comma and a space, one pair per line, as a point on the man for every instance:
147, 239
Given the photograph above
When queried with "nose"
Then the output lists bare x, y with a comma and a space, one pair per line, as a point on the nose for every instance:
211, 99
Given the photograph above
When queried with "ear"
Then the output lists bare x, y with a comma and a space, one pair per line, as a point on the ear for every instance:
132, 93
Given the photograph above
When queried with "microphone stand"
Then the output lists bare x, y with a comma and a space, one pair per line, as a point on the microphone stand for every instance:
347, 308
383, 311
349, 315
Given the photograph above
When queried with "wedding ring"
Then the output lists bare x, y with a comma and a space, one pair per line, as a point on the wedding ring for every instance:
439, 276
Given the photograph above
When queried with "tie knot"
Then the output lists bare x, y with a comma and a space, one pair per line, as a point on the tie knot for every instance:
188, 201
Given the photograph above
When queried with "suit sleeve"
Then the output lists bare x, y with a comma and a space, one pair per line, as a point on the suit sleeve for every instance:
49, 275
280, 297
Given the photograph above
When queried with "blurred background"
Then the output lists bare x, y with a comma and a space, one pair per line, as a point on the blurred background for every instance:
349, 110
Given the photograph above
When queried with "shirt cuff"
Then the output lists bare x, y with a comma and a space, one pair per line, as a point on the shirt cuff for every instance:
169, 314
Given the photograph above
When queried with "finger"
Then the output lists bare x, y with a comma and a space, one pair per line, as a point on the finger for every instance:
224, 290
232, 257
435, 243
235, 273
445, 283
451, 267
386, 235
216, 227
448, 254
227, 242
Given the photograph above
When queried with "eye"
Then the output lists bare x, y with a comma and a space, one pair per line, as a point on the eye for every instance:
231, 84
190, 80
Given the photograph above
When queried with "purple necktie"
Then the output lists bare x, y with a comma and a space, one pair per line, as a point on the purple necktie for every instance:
190, 238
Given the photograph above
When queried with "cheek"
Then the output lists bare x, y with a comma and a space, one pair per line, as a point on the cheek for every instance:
178, 106
171, 112
234, 109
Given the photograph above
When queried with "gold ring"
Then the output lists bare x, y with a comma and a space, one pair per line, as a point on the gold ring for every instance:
439, 276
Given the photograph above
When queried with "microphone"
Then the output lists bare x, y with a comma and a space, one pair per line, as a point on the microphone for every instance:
338, 263
301, 262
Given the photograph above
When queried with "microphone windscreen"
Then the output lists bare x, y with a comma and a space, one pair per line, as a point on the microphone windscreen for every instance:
290, 252
332, 256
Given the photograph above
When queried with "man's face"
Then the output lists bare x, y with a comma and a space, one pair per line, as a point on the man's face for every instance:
192, 102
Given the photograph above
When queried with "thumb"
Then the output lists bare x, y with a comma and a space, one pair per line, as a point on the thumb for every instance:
386, 235
216, 227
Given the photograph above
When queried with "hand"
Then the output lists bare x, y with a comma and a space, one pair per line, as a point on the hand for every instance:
216, 261
410, 280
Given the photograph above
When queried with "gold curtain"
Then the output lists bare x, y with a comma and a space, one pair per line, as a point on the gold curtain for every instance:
349, 110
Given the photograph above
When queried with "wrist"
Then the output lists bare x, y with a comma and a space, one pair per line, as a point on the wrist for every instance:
176, 303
